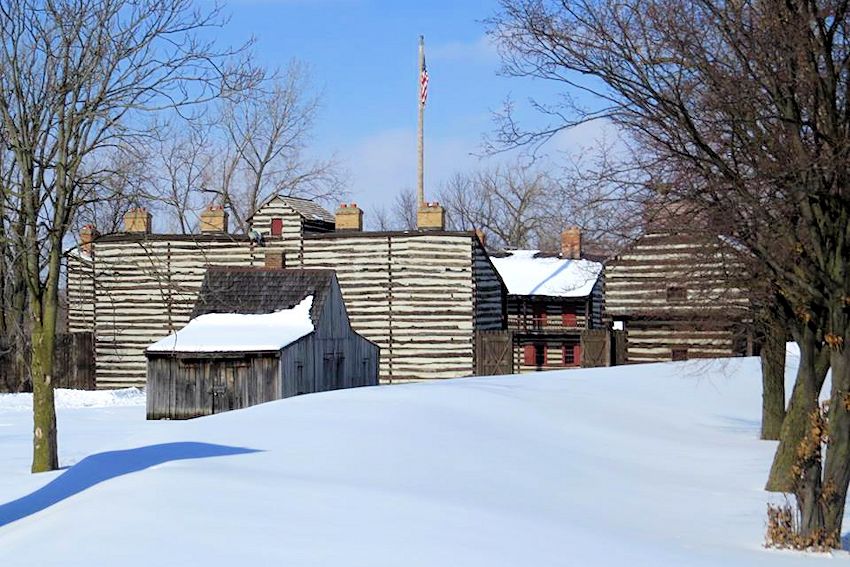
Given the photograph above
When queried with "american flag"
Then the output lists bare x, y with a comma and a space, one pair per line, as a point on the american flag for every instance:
423, 83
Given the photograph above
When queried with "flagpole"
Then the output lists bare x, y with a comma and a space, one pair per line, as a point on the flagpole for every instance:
421, 144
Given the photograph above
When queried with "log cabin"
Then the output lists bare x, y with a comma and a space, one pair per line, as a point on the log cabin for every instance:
419, 295
675, 295
552, 299
257, 335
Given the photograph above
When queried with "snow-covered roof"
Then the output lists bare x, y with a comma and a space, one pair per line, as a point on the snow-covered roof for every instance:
527, 272
236, 332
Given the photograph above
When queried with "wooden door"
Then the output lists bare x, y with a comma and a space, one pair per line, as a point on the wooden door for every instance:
494, 353
229, 379
595, 348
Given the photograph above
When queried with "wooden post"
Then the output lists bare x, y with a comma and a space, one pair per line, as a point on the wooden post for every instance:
421, 141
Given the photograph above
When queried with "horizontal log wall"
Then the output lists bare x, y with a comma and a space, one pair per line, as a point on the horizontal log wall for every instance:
410, 294
146, 289
521, 314
290, 241
653, 341
554, 350
637, 281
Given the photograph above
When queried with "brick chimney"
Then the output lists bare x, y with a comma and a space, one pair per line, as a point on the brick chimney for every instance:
88, 234
482, 237
214, 219
571, 243
275, 259
431, 216
349, 217
138, 220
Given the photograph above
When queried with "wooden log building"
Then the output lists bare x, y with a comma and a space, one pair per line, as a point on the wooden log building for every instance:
676, 298
553, 299
419, 295
257, 335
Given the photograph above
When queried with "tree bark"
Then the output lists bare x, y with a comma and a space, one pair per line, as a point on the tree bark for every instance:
804, 401
837, 463
773, 378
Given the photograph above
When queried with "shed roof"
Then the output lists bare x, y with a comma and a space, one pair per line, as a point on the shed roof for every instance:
245, 290
236, 332
530, 272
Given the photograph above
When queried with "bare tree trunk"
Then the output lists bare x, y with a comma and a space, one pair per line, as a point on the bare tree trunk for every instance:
772, 377
804, 402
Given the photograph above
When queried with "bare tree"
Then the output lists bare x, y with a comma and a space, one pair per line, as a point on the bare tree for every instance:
404, 210
74, 76
740, 110
266, 131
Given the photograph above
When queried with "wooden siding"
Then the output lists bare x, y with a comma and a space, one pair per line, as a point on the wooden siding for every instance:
411, 294
490, 292
144, 290
675, 291
522, 314
637, 281
554, 352
654, 341
183, 388
290, 240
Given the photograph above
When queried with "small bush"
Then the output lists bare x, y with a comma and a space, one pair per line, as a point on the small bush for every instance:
783, 532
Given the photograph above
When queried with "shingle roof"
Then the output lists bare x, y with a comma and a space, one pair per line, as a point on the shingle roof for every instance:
309, 209
261, 290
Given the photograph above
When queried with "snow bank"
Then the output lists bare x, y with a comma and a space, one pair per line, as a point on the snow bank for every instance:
524, 274
70, 399
656, 465
228, 332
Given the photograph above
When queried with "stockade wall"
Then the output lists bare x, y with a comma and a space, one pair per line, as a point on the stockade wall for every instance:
418, 296
73, 364
143, 289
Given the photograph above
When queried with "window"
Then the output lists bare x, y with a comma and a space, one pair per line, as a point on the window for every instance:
677, 293
277, 227
679, 353
528, 356
569, 319
571, 354
534, 355
539, 315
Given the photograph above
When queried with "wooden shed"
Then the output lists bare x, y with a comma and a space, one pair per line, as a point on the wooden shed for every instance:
257, 335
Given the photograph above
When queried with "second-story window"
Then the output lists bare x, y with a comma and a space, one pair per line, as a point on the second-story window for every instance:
539, 315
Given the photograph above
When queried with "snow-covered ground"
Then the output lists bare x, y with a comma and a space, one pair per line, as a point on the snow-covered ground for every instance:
654, 465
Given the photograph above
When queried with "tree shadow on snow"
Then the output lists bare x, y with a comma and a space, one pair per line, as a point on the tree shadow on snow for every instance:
101, 467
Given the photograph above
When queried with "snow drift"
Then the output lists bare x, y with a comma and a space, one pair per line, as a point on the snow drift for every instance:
654, 465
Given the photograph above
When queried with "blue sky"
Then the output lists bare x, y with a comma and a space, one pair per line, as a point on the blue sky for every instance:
363, 58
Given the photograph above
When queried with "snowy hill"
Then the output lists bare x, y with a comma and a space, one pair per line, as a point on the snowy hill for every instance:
656, 465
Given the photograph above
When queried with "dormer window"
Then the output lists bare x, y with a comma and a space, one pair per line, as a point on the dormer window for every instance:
677, 293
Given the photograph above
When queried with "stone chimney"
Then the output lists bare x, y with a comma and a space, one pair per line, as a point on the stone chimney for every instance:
88, 234
482, 237
431, 216
275, 259
349, 217
138, 220
214, 219
571, 243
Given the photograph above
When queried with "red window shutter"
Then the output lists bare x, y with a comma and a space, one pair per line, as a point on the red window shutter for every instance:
277, 227
577, 355
569, 319
528, 355
545, 354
